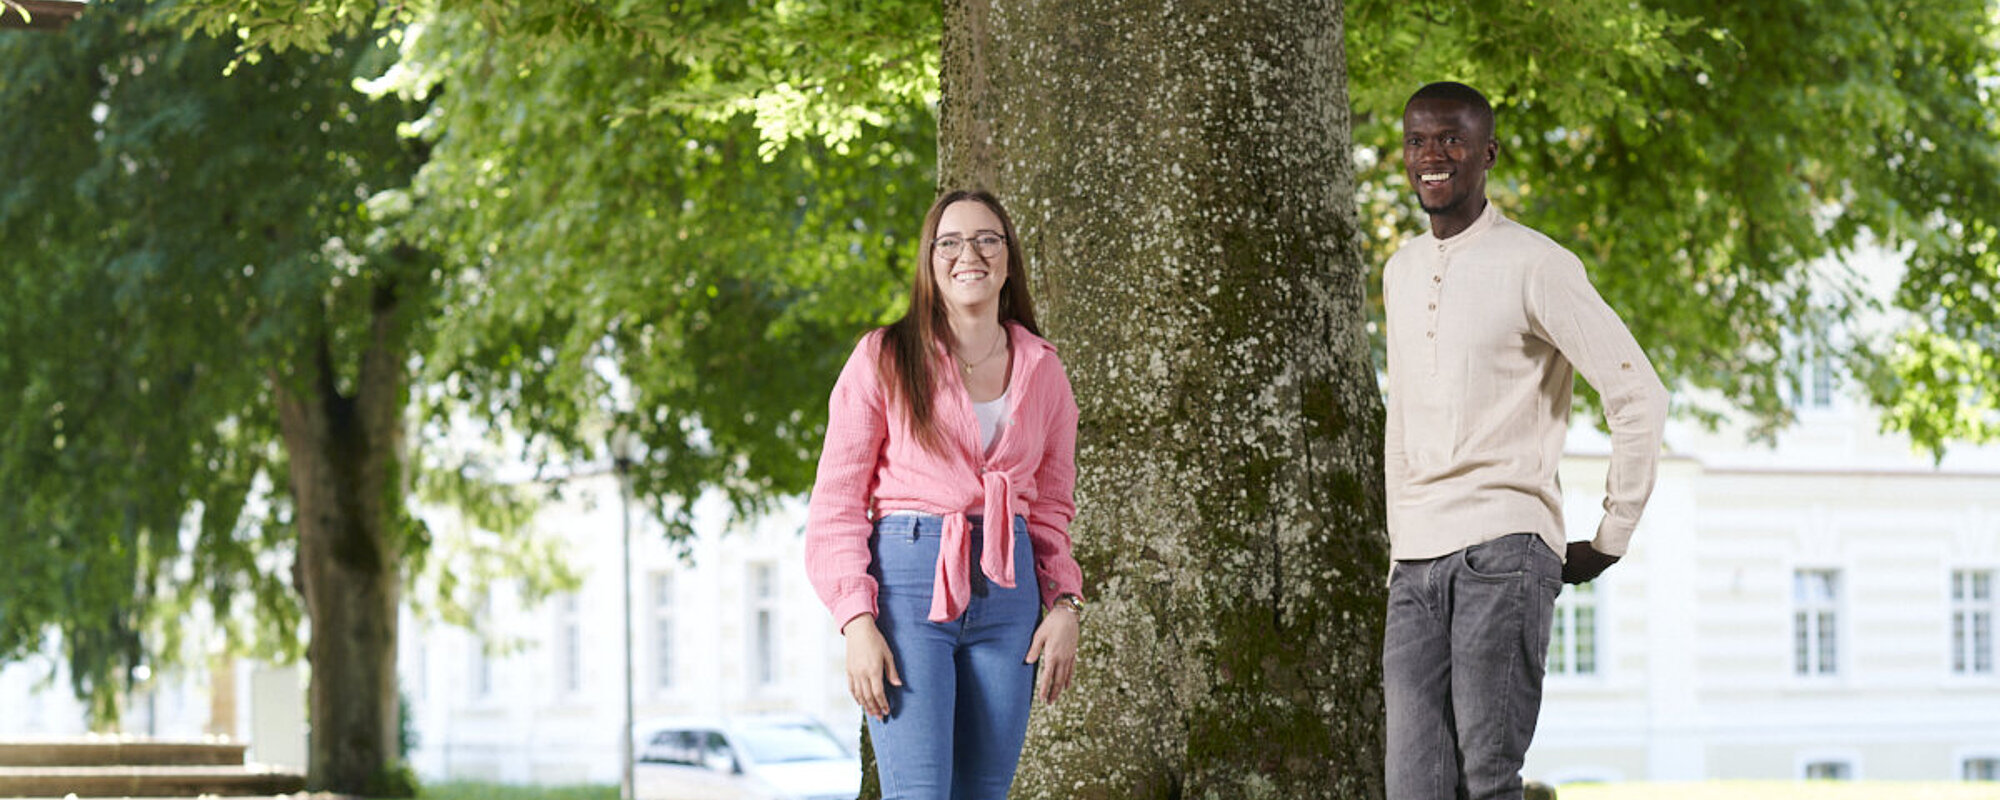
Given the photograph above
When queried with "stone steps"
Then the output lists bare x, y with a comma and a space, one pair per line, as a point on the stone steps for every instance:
107, 751
138, 768
169, 780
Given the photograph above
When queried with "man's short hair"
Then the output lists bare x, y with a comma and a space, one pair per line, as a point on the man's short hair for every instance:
1459, 93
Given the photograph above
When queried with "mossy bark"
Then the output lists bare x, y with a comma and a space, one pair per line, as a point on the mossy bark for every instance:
871, 781
1180, 176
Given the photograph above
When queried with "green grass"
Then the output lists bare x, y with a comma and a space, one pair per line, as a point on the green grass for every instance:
476, 790
1707, 790
1780, 790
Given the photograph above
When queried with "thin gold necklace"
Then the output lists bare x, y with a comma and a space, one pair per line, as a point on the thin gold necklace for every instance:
999, 344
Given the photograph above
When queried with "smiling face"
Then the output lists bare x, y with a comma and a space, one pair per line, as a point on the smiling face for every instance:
1447, 149
971, 279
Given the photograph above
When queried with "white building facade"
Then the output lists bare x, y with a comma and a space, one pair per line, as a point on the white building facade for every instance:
1823, 608
731, 629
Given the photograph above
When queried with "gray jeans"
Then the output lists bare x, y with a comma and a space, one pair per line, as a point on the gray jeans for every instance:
1462, 663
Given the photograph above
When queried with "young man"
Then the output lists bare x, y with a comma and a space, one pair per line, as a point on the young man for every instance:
1486, 319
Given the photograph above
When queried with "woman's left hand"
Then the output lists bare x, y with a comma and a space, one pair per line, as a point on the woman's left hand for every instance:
1055, 647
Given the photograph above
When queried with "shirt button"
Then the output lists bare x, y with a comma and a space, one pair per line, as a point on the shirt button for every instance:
1430, 334
1440, 247
1434, 306
1437, 279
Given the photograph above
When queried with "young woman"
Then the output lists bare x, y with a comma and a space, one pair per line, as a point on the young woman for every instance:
938, 529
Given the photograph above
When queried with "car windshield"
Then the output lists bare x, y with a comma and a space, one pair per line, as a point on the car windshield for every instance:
778, 744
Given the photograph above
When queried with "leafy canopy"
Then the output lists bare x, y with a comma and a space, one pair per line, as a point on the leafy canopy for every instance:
679, 276
1724, 168
177, 244
584, 249
1728, 169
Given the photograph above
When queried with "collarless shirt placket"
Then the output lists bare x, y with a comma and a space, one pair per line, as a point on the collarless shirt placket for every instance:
1434, 297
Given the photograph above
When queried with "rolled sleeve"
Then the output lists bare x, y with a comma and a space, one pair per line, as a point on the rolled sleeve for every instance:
1567, 311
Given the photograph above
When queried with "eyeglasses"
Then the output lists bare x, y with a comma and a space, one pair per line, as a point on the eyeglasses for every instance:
987, 245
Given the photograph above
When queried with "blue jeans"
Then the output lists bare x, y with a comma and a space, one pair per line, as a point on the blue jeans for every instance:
956, 724
1462, 663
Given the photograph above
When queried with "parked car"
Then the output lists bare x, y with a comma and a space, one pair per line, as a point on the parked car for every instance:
764, 757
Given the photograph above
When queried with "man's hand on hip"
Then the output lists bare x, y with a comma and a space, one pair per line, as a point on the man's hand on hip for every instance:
1583, 563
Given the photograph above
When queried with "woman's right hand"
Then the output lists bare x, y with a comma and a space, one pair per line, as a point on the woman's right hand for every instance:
868, 661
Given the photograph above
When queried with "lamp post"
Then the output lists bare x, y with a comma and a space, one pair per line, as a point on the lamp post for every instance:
621, 459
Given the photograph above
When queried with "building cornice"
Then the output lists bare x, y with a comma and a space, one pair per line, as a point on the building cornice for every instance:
1853, 472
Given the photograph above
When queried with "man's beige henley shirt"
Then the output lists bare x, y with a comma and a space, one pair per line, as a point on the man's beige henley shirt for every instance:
1483, 330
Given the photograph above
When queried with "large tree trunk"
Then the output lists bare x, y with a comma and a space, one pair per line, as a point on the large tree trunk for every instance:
1180, 176
345, 454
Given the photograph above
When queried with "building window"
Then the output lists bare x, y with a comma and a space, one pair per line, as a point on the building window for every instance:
1980, 768
1573, 640
1972, 607
763, 625
420, 675
662, 596
569, 645
1829, 770
482, 661
1820, 394
1815, 621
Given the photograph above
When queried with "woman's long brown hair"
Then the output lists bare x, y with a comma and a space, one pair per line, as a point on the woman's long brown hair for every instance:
908, 362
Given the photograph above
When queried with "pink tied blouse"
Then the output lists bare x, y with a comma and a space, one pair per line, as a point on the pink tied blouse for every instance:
872, 464
953, 588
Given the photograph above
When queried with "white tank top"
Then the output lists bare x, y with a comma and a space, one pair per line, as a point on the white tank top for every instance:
990, 415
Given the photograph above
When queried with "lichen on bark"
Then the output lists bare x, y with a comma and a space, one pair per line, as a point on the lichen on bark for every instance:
1179, 175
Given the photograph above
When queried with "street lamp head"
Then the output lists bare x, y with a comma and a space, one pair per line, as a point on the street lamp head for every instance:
623, 444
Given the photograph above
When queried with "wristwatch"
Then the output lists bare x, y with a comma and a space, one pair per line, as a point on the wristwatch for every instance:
1071, 602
